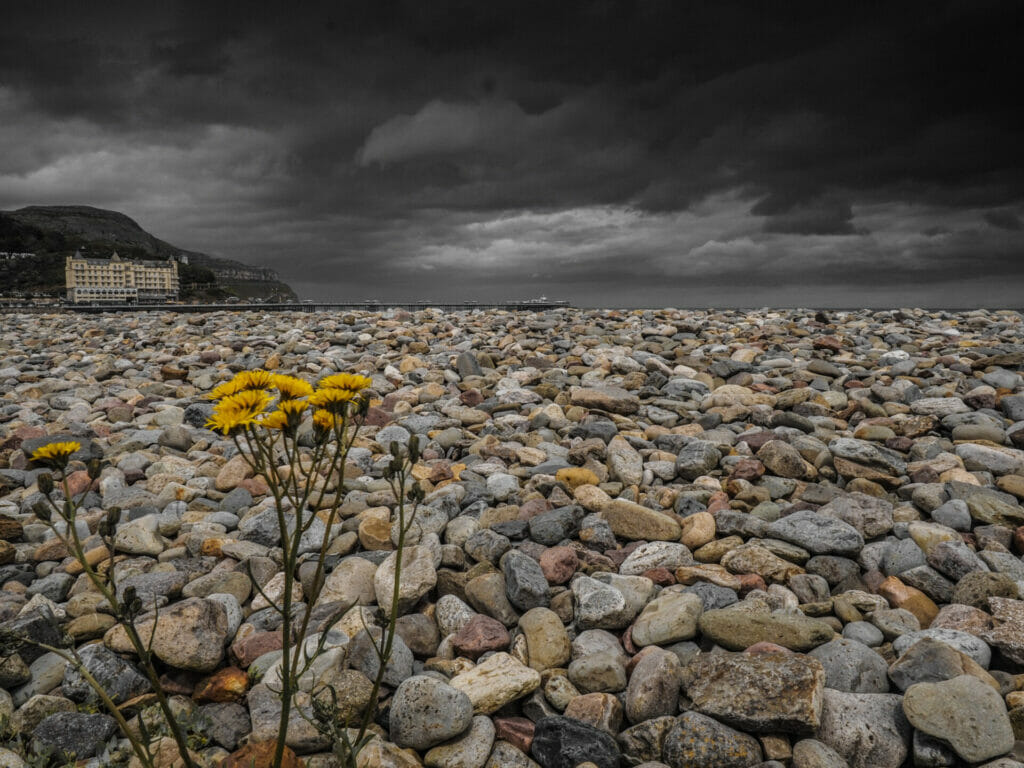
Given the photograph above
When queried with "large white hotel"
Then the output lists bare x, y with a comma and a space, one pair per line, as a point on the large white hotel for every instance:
120, 281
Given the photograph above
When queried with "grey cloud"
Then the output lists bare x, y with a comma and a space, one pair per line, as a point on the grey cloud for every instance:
365, 139
1004, 220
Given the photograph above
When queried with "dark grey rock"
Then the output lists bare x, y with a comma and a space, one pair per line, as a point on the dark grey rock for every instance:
118, 677
929, 581
562, 742
697, 458
487, 546
67, 734
549, 528
467, 365
955, 559
55, 586
525, 584
902, 555
818, 534
712, 595
226, 724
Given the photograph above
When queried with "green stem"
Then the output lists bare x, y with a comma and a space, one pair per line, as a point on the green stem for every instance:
141, 750
109, 593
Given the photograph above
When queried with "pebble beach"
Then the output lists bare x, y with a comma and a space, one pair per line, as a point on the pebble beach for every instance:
693, 539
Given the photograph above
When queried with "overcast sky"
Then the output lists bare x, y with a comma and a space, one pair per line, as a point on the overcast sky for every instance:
644, 153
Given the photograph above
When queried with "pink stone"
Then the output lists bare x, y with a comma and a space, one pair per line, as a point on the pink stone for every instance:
481, 634
558, 564
517, 731
765, 647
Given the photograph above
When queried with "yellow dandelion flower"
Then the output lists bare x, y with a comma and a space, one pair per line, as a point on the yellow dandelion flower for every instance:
224, 422
291, 387
224, 389
239, 410
334, 399
56, 453
243, 381
276, 420
257, 379
254, 400
350, 381
325, 420
287, 416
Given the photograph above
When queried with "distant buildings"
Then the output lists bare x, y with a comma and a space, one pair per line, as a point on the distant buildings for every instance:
118, 281
14, 255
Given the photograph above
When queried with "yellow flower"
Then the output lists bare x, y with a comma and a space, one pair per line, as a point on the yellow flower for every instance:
275, 420
239, 410
243, 381
56, 453
291, 387
224, 389
350, 381
223, 422
257, 379
287, 416
325, 420
334, 399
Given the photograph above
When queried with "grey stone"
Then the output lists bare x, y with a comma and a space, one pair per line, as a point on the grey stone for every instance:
525, 583
955, 559
697, 458
698, 741
118, 678
562, 742
363, 657
955, 514
864, 632
225, 723
964, 712
809, 753
73, 734
902, 555
868, 730
818, 534
852, 667
653, 689
931, 661
426, 712
973, 646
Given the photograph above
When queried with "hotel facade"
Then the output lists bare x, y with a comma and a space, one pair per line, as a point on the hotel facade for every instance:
120, 281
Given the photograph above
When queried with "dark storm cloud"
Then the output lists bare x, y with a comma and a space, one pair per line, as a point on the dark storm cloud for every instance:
755, 142
1004, 220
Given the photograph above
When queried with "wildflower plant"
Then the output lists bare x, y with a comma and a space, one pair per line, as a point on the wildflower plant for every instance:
349, 738
58, 510
296, 436
264, 413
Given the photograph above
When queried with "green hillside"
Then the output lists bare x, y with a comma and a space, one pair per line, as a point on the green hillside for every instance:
52, 233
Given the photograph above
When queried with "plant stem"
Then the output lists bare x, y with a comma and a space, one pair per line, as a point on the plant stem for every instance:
109, 592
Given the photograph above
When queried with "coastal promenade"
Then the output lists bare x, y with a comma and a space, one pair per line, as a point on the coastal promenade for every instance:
306, 306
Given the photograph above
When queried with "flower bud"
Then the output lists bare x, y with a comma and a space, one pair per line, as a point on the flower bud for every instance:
45, 483
414, 448
41, 510
396, 449
93, 467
